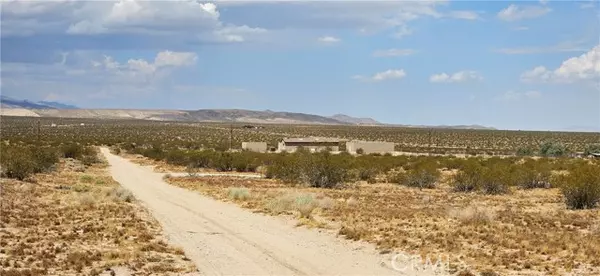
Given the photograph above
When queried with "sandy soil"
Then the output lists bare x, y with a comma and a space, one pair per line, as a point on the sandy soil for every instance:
221, 238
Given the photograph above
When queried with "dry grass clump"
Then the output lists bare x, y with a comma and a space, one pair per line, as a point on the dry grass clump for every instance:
473, 215
51, 228
239, 193
304, 204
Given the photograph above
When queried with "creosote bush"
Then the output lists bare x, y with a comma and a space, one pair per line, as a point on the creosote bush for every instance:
21, 162
552, 149
581, 187
491, 179
423, 175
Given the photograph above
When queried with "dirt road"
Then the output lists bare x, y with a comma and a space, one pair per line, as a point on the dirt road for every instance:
223, 239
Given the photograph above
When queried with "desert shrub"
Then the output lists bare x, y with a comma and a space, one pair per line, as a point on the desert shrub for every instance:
321, 171
469, 178
238, 193
121, 194
177, 157
423, 176
367, 174
496, 180
581, 187
304, 204
532, 175
525, 151
593, 148
360, 151
552, 149
17, 163
44, 159
156, 152
200, 159
72, 150
86, 179
223, 162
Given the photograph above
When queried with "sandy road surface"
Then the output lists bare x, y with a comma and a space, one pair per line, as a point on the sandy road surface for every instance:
223, 239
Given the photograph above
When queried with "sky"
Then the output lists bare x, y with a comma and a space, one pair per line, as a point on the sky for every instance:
511, 65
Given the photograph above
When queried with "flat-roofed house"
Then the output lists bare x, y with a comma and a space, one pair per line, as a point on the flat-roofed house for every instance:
255, 146
369, 147
313, 144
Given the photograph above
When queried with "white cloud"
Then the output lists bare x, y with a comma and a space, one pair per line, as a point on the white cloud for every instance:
85, 76
467, 15
460, 76
382, 76
516, 13
512, 95
394, 52
187, 19
568, 46
143, 71
582, 68
543, 2
402, 32
328, 39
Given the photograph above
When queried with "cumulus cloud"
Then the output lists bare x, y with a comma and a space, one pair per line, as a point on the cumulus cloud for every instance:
85, 77
382, 76
460, 76
516, 13
393, 52
187, 19
142, 70
329, 39
582, 68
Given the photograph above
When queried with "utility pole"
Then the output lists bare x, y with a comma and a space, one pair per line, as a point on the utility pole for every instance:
230, 136
429, 148
39, 129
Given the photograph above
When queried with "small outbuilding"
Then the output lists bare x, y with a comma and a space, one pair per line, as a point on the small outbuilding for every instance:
255, 146
313, 144
368, 147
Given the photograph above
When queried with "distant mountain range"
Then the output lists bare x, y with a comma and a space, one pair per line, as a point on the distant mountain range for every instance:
13, 107
8, 102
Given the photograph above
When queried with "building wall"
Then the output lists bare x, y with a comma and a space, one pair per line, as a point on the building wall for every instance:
370, 147
255, 146
311, 147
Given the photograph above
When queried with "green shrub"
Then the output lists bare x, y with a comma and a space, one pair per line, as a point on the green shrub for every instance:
594, 148
532, 175
552, 149
581, 187
321, 171
525, 151
496, 180
72, 150
44, 159
17, 163
423, 177
223, 162
469, 178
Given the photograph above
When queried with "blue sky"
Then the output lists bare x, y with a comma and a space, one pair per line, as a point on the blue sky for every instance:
511, 65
